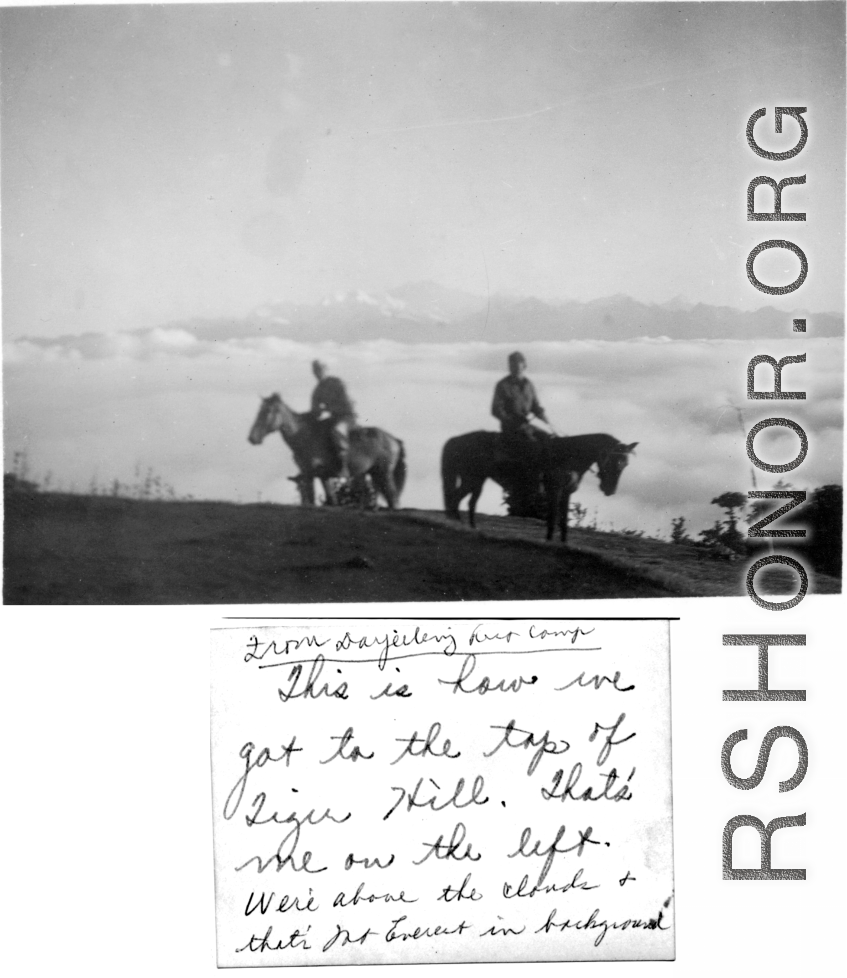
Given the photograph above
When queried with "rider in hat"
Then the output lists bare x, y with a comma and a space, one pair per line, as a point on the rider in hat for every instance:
330, 399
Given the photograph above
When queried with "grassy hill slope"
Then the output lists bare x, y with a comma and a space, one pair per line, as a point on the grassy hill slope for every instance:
68, 549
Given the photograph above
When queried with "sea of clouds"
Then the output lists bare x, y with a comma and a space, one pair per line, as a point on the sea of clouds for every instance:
91, 409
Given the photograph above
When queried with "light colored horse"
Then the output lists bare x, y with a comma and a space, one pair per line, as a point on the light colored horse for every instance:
372, 451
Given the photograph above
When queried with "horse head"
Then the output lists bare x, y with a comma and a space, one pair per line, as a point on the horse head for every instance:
272, 416
611, 465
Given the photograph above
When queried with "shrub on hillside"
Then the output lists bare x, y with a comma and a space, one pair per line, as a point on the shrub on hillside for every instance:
678, 532
725, 533
824, 514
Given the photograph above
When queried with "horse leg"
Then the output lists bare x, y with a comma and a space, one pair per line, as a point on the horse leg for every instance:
384, 485
363, 491
564, 506
554, 492
456, 498
329, 492
371, 499
453, 496
389, 488
306, 486
354, 494
476, 492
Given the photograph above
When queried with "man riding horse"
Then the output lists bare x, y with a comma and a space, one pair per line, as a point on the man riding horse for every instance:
515, 402
521, 454
330, 400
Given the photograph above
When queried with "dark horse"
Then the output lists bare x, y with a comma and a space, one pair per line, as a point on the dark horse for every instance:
468, 460
372, 451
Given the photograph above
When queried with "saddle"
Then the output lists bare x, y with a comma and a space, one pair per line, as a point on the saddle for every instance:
358, 437
524, 449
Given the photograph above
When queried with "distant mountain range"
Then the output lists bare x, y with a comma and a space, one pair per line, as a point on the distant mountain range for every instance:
424, 312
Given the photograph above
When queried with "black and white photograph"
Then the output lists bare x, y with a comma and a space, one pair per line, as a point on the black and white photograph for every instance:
423, 442
350, 302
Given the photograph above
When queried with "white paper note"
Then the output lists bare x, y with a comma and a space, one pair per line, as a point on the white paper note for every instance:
418, 791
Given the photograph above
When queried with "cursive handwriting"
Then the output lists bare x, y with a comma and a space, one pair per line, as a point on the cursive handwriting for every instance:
295, 939
564, 633
596, 681
246, 754
412, 801
449, 850
342, 900
395, 641
427, 748
485, 685
347, 938
402, 692
310, 641
367, 863
451, 893
542, 743
418, 932
480, 637
495, 931
309, 690
272, 734
510, 892
344, 742
300, 820
592, 923
284, 856
286, 903
610, 742
588, 794
552, 850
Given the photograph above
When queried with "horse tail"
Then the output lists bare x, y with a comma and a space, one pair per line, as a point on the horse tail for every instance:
449, 477
400, 469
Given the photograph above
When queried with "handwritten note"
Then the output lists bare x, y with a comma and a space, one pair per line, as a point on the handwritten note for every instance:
456, 791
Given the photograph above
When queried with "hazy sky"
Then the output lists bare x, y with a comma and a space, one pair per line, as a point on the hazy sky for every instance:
160, 163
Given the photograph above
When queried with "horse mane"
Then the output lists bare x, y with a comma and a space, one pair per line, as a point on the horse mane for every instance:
598, 436
304, 416
599, 441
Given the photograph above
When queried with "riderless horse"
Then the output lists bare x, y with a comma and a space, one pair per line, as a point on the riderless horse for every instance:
468, 460
372, 451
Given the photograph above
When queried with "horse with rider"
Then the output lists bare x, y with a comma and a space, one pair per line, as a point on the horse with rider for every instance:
538, 470
522, 443
332, 405
530, 464
352, 462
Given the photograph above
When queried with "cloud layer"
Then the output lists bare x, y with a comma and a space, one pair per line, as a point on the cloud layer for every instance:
98, 408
